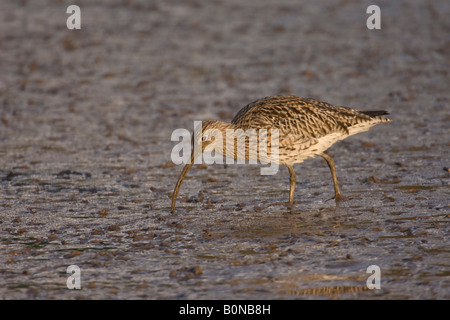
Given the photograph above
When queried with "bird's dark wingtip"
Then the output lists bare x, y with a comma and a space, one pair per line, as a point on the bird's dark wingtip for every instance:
376, 113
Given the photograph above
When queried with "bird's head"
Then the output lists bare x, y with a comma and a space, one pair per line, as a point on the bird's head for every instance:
210, 136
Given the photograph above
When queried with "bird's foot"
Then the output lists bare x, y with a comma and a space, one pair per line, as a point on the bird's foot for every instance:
338, 198
290, 207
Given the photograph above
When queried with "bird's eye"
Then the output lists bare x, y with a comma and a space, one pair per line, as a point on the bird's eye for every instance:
204, 138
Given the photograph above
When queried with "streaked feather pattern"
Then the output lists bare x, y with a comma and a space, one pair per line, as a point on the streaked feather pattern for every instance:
306, 128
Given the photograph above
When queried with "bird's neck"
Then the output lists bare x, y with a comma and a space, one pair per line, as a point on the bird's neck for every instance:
224, 126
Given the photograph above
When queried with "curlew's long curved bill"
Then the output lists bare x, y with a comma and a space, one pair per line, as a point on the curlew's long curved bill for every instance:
180, 180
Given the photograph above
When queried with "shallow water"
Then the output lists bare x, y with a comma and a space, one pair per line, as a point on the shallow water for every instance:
86, 176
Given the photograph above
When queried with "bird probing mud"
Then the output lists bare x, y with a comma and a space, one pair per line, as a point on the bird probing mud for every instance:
305, 128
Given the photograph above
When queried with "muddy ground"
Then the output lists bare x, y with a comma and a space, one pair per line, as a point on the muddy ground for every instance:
86, 118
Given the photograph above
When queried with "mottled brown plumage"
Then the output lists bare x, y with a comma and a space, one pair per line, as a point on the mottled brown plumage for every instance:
306, 127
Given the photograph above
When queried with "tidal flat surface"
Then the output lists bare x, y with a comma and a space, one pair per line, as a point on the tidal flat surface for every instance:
86, 176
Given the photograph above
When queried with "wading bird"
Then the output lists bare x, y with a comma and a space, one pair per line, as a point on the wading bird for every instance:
306, 128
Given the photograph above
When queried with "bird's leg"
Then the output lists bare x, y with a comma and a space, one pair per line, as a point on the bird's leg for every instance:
330, 162
293, 180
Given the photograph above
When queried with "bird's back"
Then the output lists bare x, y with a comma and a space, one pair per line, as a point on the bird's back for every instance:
304, 124
309, 116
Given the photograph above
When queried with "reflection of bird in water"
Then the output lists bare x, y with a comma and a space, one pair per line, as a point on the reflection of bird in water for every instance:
306, 128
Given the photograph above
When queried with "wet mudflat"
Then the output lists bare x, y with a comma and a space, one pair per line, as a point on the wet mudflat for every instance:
86, 175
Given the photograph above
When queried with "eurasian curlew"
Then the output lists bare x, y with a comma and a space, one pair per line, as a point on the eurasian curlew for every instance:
306, 128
